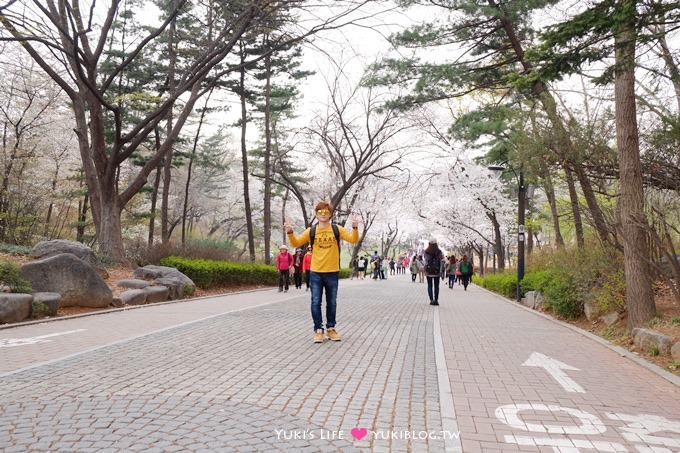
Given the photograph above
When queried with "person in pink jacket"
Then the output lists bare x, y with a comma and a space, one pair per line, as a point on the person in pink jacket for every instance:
284, 261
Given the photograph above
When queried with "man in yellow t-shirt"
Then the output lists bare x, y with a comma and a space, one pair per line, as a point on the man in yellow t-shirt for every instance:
325, 270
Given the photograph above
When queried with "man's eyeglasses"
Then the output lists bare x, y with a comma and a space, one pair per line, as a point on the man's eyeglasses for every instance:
323, 212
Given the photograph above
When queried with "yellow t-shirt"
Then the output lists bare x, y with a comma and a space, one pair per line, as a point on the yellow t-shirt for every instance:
326, 253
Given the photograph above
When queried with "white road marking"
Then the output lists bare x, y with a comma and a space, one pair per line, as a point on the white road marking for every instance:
11, 342
555, 369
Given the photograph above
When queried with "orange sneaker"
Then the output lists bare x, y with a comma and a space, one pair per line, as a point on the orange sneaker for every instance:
333, 335
318, 336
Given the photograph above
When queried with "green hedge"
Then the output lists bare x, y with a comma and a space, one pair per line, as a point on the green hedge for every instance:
211, 273
504, 284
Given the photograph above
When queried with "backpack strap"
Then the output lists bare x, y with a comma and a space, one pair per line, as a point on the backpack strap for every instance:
336, 233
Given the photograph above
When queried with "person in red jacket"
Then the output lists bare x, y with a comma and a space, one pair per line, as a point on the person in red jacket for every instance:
307, 265
284, 261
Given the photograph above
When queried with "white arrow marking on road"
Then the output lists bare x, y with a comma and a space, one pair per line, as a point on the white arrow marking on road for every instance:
11, 342
554, 368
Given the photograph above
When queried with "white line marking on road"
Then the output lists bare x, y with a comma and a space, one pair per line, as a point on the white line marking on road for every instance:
446, 407
11, 342
554, 368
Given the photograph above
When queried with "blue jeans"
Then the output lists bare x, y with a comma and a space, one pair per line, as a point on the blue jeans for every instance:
433, 281
320, 282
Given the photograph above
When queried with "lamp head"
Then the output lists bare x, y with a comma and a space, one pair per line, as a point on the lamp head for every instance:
496, 169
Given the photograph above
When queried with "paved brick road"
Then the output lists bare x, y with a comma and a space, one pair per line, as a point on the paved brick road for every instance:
240, 373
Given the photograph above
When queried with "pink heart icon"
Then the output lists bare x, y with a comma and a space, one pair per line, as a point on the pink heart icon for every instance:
359, 433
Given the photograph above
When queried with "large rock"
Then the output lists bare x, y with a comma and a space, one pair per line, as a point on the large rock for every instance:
46, 249
78, 283
15, 307
169, 277
675, 351
133, 297
533, 299
648, 341
592, 310
156, 294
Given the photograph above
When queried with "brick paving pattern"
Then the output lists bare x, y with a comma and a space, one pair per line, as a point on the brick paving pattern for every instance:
237, 374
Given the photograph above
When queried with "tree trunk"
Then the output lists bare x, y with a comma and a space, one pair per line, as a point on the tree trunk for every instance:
639, 295
575, 207
267, 217
190, 166
167, 168
498, 248
152, 210
244, 158
552, 202
154, 195
82, 218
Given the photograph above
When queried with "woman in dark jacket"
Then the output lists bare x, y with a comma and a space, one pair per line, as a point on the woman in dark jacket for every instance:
433, 259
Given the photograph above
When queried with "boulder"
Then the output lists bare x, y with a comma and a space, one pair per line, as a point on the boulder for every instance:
592, 310
648, 340
156, 294
133, 297
533, 299
133, 283
675, 352
610, 318
51, 300
46, 249
77, 281
161, 272
15, 307
175, 287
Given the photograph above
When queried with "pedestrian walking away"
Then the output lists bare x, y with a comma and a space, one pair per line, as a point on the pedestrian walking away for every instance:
324, 237
466, 270
451, 270
433, 261
284, 261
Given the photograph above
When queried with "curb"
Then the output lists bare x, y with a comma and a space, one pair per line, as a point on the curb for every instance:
114, 310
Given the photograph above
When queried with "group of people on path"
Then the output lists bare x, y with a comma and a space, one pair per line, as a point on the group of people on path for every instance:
378, 266
300, 263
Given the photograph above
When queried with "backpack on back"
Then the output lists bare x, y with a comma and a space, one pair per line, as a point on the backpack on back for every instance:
433, 265
464, 267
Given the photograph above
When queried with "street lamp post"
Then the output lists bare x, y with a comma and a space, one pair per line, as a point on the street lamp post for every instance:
521, 229
521, 209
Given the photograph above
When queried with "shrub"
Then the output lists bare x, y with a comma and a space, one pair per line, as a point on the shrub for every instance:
13, 249
10, 276
39, 309
537, 281
562, 296
505, 284
211, 273
140, 253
